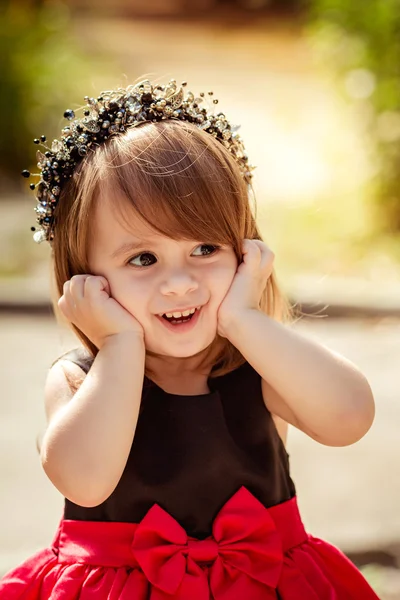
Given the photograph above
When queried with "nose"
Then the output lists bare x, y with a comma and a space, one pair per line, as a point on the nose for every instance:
178, 283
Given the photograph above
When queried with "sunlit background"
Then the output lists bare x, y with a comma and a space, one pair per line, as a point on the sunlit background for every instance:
315, 87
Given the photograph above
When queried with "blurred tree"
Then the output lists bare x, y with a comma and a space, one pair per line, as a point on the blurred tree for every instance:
266, 4
362, 40
185, 8
41, 64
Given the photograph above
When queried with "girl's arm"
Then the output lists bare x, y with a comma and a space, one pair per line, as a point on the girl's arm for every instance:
87, 443
305, 384
90, 433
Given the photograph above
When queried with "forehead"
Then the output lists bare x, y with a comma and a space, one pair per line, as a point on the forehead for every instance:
115, 222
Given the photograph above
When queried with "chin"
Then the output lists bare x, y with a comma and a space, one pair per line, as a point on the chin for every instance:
186, 351
179, 352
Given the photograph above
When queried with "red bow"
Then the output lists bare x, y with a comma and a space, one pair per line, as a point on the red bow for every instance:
244, 554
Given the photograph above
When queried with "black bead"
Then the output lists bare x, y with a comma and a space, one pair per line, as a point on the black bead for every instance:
42, 138
25, 173
36, 141
32, 186
74, 153
33, 228
147, 98
47, 154
86, 113
69, 114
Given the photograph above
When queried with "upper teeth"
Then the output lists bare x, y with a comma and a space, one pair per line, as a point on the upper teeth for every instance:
177, 315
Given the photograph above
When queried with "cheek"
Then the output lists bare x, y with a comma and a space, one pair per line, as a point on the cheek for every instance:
131, 293
223, 277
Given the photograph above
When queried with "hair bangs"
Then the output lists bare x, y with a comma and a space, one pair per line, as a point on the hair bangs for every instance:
178, 180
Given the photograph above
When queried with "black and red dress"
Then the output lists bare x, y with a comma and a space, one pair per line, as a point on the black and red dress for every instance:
205, 510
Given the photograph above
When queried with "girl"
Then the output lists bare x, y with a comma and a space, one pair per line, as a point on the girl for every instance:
166, 429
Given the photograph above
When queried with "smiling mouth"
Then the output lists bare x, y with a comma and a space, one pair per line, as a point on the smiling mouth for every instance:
178, 317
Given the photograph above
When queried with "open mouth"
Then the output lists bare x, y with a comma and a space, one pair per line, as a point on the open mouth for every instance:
183, 317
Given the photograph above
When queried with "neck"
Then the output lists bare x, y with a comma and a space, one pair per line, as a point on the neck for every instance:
161, 365
200, 364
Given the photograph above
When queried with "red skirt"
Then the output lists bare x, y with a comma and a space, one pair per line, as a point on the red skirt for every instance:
254, 553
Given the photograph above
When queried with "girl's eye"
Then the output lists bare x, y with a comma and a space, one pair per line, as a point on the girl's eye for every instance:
207, 249
145, 259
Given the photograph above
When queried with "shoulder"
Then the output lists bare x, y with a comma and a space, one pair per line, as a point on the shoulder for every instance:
64, 378
270, 399
273, 403
245, 376
79, 356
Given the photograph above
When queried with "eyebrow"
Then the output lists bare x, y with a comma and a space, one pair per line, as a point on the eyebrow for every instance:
129, 246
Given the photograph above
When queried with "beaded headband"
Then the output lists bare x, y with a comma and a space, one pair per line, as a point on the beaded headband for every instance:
113, 112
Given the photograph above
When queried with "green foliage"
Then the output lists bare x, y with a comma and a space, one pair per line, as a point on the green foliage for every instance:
42, 68
362, 40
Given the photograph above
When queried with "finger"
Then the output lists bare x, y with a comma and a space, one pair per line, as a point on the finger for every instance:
67, 294
77, 286
267, 256
94, 285
65, 307
66, 287
251, 252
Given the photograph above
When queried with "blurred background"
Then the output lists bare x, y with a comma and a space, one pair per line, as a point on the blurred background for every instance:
315, 85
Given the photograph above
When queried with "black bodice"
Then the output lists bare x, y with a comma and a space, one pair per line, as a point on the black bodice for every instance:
190, 454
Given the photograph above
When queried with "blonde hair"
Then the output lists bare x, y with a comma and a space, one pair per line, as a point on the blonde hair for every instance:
184, 184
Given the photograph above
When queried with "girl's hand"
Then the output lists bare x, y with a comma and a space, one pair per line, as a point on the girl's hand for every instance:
87, 303
248, 284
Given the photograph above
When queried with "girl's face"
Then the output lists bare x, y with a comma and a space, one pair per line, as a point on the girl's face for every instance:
152, 275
